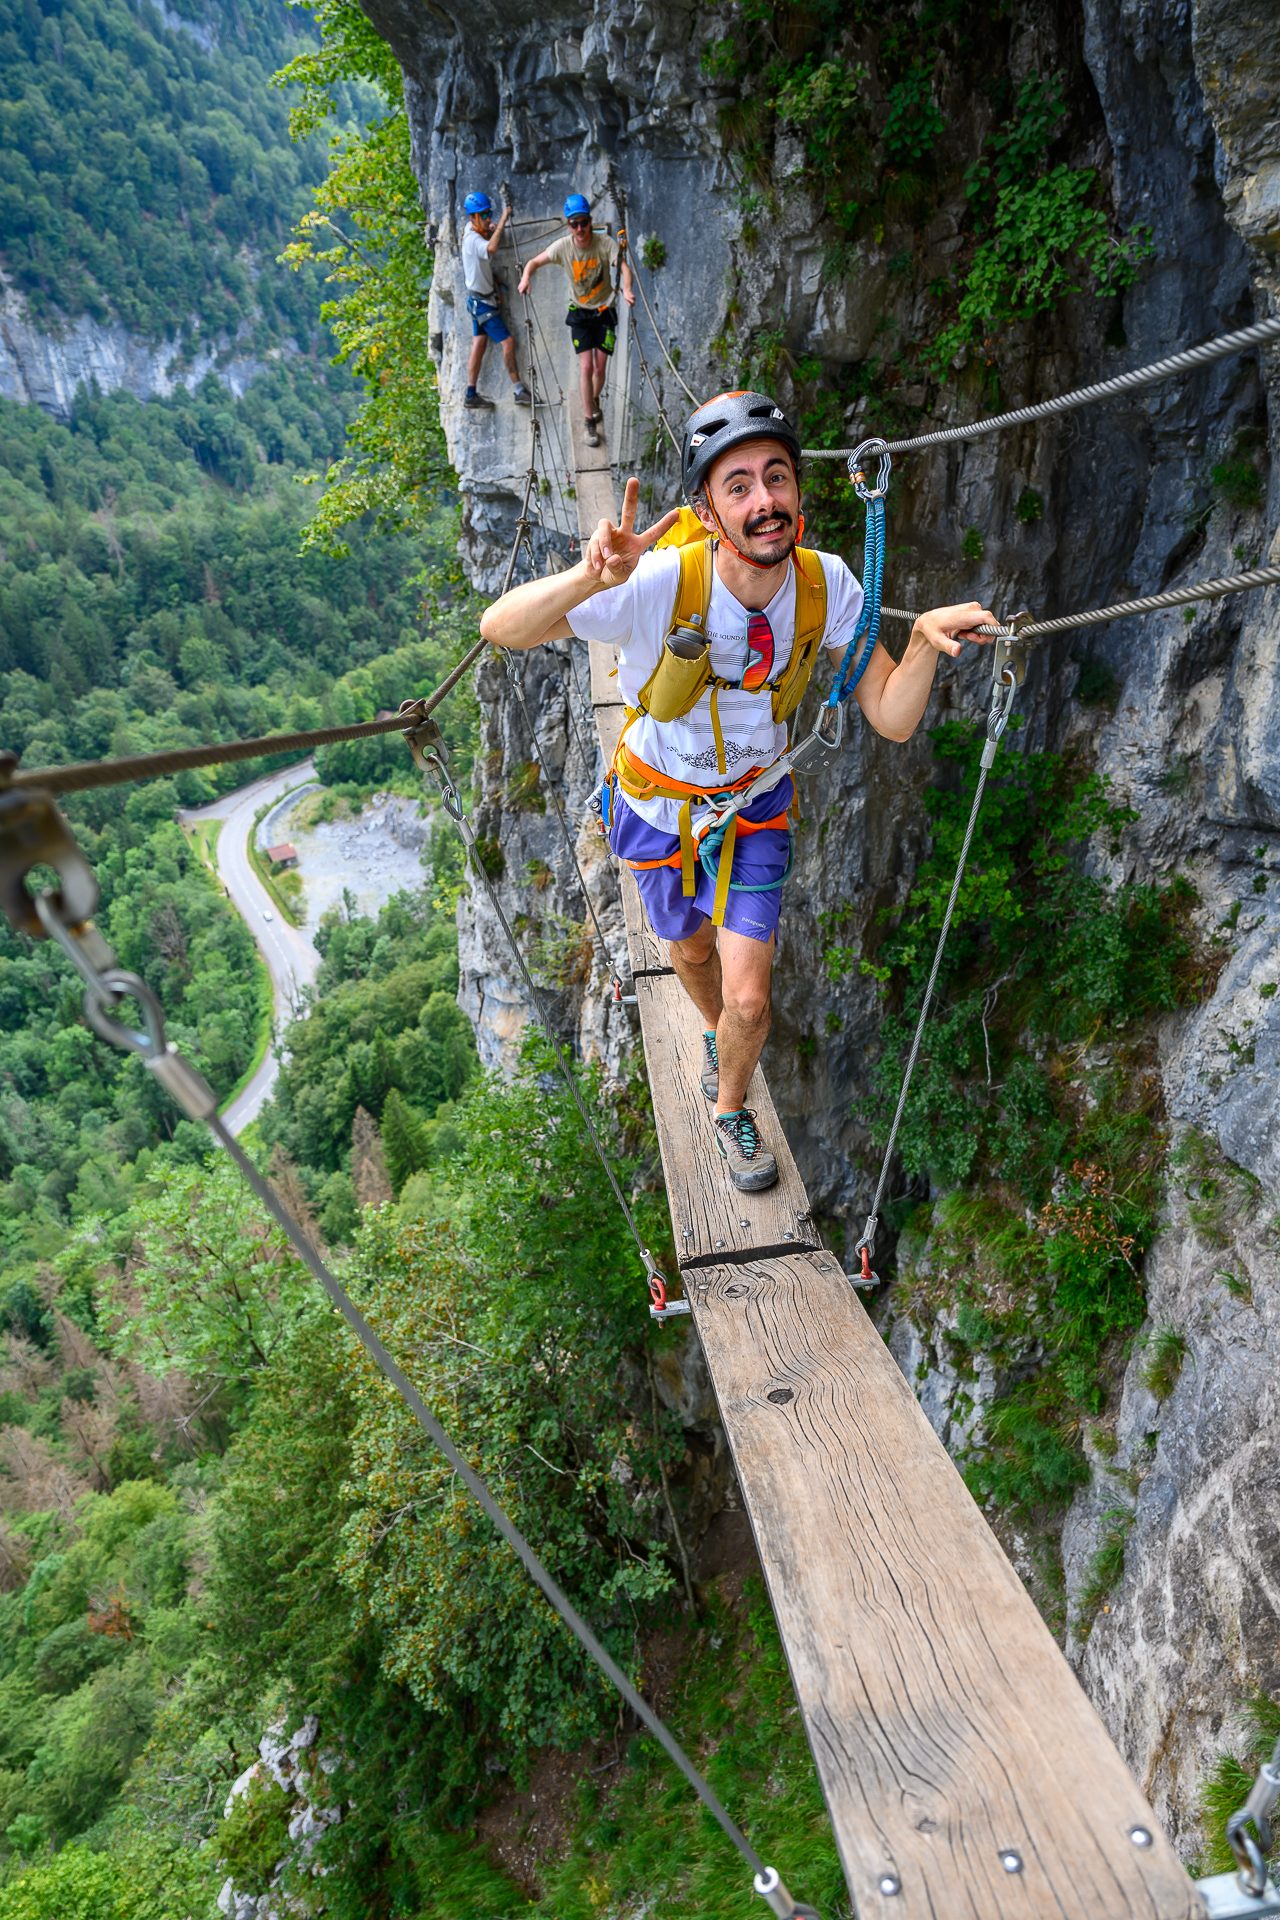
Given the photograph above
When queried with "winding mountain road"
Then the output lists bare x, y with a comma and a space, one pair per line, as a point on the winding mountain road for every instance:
291, 958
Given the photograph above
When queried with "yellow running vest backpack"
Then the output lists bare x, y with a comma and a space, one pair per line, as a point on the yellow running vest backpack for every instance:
678, 682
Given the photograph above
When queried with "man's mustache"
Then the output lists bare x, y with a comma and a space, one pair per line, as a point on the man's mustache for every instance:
762, 520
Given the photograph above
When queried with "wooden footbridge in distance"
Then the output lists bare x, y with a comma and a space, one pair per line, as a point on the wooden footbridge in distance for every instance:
966, 1774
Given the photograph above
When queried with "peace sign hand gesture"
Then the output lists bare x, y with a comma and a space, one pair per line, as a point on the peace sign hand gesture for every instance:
613, 552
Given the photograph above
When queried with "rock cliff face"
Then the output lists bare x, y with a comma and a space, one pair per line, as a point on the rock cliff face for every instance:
1179, 102
44, 369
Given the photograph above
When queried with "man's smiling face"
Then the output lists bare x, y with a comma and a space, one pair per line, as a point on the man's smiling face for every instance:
754, 490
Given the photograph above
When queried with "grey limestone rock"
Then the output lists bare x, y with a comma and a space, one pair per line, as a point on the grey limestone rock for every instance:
44, 368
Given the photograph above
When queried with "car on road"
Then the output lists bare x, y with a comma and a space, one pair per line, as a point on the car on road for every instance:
267, 914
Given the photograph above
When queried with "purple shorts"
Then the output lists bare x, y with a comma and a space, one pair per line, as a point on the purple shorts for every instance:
757, 859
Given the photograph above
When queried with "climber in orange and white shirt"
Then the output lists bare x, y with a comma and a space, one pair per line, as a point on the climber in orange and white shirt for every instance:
590, 259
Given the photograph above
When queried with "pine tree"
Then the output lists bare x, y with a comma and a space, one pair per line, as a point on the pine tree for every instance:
404, 1139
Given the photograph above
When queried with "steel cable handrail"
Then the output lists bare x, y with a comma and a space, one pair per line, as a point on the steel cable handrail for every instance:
1260, 334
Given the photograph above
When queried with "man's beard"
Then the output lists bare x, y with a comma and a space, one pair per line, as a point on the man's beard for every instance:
782, 538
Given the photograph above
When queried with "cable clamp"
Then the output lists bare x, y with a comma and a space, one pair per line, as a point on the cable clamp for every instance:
773, 1892
1007, 669
860, 459
661, 1306
617, 997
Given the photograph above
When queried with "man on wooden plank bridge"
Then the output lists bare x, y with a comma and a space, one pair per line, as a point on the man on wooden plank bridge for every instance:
721, 616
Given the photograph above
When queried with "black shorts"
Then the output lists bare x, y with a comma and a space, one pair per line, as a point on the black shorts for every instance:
592, 330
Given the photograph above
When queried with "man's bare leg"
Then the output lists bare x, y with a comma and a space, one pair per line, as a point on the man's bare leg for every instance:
475, 357
729, 981
586, 384
746, 968
697, 964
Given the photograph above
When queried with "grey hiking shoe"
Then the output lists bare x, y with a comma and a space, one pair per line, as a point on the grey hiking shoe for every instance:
521, 394
751, 1166
477, 400
593, 438
710, 1079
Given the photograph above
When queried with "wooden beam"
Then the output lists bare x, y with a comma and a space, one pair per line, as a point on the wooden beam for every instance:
967, 1776
949, 1733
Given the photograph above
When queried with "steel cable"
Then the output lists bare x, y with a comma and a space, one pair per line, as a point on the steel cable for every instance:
513, 675
657, 334
1260, 334
1215, 589
85, 775
479, 1491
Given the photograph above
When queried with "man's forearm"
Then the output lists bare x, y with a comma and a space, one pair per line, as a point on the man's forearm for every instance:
527, 615
905, 692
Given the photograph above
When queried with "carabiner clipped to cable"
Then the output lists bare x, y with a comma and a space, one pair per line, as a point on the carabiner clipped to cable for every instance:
661, 1306
1007, 668
860, 459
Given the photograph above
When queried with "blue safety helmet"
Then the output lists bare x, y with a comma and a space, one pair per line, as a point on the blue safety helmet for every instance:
477, 203
576, 205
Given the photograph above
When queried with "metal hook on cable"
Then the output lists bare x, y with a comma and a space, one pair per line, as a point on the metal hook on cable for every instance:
860, 459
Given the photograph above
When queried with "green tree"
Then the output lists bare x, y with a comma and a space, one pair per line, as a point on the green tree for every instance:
211, 1287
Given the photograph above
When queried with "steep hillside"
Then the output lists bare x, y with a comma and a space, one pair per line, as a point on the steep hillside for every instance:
147, 182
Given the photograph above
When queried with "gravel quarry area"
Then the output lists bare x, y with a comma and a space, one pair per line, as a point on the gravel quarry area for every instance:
368, 855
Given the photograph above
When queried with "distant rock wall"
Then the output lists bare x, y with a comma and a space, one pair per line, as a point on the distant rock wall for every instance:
43, 368
1181, 97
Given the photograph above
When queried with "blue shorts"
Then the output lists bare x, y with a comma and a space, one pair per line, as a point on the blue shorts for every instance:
757, 859
486, 319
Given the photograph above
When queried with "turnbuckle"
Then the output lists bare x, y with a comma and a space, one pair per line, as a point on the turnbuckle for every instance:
661, 1307
860, 459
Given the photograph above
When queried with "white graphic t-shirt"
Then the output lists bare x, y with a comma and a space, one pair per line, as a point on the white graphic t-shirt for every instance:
637, 617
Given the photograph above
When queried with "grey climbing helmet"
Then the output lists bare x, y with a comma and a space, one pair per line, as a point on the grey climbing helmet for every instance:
725, 422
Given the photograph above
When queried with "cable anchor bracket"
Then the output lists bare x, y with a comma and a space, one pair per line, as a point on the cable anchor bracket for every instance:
866, 1277
426, 744
662, 1307
34, 834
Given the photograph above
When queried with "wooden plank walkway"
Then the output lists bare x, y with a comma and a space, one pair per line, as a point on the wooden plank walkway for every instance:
966, 1774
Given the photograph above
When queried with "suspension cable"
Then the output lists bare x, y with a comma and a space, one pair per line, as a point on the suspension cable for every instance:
86, 774
1004, 687
1260, 334
1152, 603
537, 373
44, 836
657, 333
550, 786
